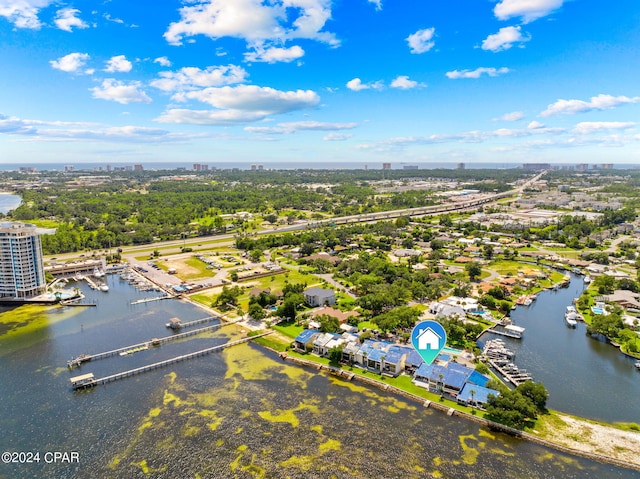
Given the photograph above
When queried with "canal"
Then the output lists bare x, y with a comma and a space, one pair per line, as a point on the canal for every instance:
243, 413
584, 377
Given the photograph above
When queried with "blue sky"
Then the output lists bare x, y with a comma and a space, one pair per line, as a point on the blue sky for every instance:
313, 81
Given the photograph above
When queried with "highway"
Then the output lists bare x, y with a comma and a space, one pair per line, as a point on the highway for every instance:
199, 242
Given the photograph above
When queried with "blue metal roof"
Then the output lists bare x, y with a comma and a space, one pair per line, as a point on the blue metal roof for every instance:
393, 357
481, 394
305, 336
478, 379
450, 377
376, 354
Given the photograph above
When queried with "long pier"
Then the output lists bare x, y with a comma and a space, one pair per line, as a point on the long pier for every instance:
181, 325
155, 342
148, 300
87, 380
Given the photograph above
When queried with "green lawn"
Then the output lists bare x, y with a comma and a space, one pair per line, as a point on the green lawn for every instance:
289, 329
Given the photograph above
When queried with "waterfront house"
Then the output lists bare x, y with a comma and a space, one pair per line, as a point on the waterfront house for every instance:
321, 343
319, 297
305, 339
474, 395
447, 377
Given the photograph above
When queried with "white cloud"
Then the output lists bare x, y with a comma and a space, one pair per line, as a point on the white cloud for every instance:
422, 40
118, 63
587, 127
477, 73
120, 92
108, 17
403, 82
163, 61
67, 130
240, 104
23, 13
534, 125
504, 39
357, 85
274, 54
292, 127
377, 3
66, 19
512, 116
209, 117
277, 20
528, 10
600, 102
337, 137
255, 98
71, 63
191, 78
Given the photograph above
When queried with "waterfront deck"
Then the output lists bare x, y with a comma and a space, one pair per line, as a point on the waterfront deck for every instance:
88, 380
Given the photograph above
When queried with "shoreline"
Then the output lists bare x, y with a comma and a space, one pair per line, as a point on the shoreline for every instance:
616, 440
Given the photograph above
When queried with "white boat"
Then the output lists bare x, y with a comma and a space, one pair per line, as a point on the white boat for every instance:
571, 320
104, 287
638, 364
587, 279
571, 309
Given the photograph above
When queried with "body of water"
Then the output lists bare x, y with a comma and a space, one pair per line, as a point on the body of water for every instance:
9, 202
241, 413
584, 377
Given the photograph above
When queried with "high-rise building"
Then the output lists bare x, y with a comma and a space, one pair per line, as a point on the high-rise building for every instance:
460, 166
386, 166
21, 266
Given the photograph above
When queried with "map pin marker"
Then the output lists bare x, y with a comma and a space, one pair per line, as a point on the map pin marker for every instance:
428, 339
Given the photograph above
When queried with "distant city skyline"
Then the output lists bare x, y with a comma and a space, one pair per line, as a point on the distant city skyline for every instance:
320, 81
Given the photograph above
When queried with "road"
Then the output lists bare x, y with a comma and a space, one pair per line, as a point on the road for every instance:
227, 239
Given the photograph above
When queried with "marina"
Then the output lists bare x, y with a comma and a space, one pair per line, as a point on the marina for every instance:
499, 357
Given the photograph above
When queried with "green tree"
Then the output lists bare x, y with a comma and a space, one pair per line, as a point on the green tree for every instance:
474, 270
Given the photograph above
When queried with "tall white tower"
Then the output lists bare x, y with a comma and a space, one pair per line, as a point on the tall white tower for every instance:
21, 266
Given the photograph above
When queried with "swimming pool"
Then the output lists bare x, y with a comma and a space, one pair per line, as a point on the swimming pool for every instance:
597, 310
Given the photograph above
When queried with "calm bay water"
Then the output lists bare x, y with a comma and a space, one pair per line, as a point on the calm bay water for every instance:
242, 413
584, 377
9, 202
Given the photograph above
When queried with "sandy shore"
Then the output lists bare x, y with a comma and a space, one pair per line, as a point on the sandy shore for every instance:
589, 437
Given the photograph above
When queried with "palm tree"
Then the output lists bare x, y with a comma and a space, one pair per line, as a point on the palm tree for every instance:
473, 394
441, 386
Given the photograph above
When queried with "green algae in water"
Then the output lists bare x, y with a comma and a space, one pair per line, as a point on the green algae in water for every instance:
27, 325
470, 454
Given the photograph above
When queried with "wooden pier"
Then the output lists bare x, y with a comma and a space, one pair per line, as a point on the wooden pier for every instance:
148, 300
175, 323
84, 358
87, 380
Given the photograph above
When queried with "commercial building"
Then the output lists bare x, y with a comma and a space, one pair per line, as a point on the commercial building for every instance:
21, 266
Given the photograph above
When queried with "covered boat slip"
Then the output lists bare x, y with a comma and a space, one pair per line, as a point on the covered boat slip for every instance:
83, 381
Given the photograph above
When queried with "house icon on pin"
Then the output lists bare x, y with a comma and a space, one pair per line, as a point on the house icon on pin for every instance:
428, 339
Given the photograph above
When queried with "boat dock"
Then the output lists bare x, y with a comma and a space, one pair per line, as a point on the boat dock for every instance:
84, 358
148, 300
87, 380
510, 372
511, 331
175, 323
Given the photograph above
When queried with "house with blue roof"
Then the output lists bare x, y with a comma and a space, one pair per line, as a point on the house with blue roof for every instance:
449, 378
304, 340
474, 395
393, 363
